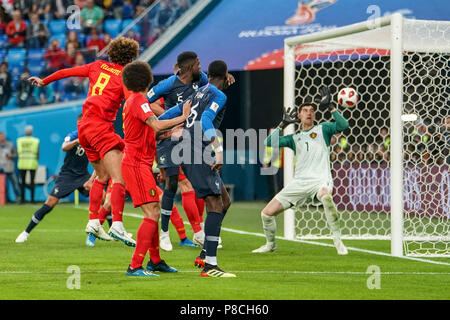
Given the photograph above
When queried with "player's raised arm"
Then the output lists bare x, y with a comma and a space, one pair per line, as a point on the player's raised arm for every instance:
276, 136
340, 124
161, 124
80, 71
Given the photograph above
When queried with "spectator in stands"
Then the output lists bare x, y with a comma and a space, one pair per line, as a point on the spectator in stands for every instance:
181, 7
23, 6
91, 17
4, 19
77, 85
156, 33
59, 8
28, 154
117, 9
37, 32
80, 3
5, 85
7, 155
73, 38
71, 53
144, 26
95, 43
132, 35
107, 38
44, 10
24, 90
55, 57
165, 15
16, 30
127, 10
384, 138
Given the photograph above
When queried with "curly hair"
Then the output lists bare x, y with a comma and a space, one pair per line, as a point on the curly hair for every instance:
123, 50
137, 76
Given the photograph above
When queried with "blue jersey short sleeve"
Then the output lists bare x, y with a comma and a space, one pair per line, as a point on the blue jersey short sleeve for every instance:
162, 88
216, 104
71, 136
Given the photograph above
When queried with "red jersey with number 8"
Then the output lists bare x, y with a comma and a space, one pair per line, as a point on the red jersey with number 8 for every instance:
106, 90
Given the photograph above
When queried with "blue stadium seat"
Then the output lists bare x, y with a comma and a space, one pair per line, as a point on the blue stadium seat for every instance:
57, 27
16, 57
36, 54
112, 27
35, 69
15, 71
2, 55
3, 41
82, 38
61, 38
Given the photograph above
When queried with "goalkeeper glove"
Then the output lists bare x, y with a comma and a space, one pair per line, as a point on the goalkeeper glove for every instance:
289, 116
325, 99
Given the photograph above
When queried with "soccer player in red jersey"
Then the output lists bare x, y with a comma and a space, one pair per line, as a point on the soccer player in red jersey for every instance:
140, 125
96, 131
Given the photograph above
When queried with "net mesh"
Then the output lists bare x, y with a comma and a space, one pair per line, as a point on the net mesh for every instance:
360, 156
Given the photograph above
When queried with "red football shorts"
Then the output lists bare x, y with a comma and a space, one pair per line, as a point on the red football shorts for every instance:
97, 137
140, 184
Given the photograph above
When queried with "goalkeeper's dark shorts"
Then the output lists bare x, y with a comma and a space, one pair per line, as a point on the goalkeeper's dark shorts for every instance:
205, 181
66, 184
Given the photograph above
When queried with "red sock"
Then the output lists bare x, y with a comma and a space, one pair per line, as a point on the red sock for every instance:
201, 208
190, 207
143, 241
102, 214
154, 246
95, 198
178, 223
117, 201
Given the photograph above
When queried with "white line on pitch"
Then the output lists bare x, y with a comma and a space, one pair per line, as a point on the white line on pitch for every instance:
134, 215
244, 271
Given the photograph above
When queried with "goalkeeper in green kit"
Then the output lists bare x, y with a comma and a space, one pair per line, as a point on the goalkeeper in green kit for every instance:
312, 181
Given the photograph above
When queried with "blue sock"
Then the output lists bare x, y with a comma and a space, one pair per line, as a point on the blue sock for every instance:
213, 224
38, 216
166, 209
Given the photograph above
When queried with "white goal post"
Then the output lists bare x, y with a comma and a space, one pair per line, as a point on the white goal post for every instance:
387, 186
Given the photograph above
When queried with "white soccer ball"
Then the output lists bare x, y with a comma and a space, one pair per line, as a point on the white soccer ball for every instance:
347, 97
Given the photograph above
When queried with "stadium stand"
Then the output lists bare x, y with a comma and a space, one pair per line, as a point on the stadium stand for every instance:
117, 16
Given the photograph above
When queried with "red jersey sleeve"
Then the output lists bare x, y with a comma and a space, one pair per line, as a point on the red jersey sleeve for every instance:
142, 110
81, 71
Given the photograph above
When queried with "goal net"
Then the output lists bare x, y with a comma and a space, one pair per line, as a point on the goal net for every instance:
390, 168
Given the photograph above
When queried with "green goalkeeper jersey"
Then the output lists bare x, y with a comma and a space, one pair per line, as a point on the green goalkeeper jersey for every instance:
311, 148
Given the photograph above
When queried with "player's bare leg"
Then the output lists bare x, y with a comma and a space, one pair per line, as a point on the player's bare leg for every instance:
324, 195
191, 209
272, 209
111, 161
95, 200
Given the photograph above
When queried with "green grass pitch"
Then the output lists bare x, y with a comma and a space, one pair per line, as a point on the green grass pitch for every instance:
37, 269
